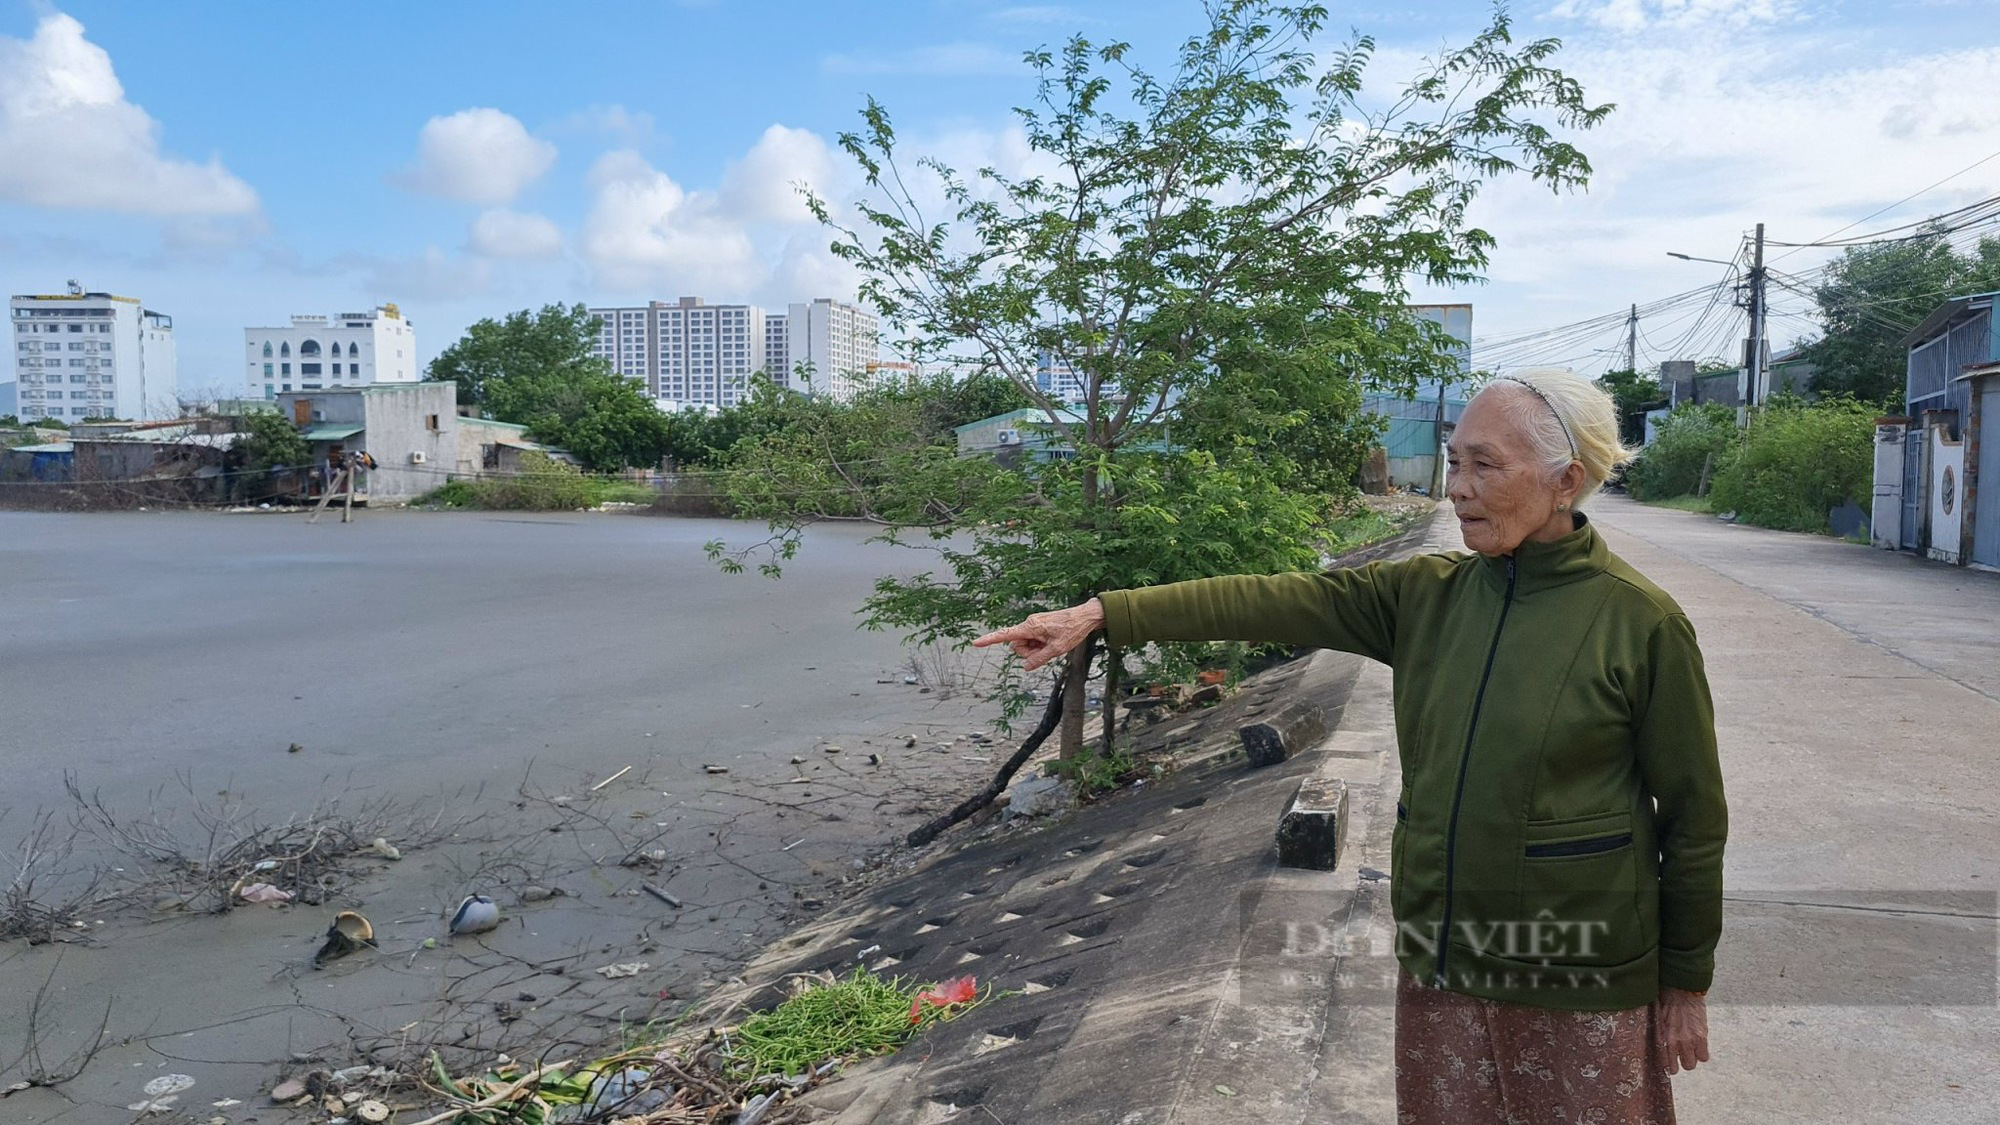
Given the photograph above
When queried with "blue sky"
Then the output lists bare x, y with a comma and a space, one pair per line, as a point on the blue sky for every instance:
233, 163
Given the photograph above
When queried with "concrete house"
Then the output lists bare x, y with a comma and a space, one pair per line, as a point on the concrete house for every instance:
410, 429
1931, 463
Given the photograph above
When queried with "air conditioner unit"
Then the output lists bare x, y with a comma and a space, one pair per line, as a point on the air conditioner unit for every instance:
319, 415
419, 457
1010, 437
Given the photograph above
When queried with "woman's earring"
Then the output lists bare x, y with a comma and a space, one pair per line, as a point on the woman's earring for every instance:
1562, 506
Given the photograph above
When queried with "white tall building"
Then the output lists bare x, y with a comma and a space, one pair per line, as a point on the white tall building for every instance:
840, 341
691, 353
318, 353
688, 353
84, 355
1058, 379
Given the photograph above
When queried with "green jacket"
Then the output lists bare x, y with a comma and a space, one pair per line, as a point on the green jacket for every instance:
1559, 833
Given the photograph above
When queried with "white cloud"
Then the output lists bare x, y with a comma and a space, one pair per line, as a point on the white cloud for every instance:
945, 60
70, 139
765, 186
1632, 17
1041, 14
479, 156
1806, 132
644, 230
500, 233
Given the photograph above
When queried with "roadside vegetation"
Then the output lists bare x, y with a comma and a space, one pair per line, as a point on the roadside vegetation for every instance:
544, 484
1794, 464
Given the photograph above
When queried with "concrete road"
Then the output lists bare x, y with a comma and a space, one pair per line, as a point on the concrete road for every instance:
410, 652
1858, 703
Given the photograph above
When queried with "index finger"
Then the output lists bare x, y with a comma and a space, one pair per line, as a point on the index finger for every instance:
1001, 636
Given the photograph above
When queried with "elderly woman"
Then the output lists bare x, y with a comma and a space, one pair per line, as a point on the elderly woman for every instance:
1557, 856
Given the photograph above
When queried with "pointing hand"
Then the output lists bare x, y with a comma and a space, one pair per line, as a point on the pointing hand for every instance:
1045, 636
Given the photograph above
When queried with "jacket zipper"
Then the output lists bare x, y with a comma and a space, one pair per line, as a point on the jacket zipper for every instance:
1591, 846
1458, 794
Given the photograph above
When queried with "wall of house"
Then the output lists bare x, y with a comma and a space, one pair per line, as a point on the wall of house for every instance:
416, 418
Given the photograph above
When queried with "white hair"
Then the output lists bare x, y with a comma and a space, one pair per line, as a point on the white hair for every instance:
1565, 418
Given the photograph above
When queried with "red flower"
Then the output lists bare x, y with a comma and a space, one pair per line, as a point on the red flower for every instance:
959, 990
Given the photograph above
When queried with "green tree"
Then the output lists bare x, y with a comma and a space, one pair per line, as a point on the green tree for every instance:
535, 369
1241, 211
270, 441
1632, 394
1798, 462
1873, 295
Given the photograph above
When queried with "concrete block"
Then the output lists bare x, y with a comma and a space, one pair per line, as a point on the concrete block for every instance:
1313, 829
1295, 728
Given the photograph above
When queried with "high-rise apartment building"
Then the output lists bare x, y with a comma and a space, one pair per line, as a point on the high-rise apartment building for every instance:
840, 341
778, 348
318, 353
691, 353
84, 355
688, 352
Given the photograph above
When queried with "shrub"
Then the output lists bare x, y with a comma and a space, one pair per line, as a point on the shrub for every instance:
1799, 463
1686, 440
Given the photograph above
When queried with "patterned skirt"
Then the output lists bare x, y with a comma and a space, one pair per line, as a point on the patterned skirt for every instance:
1461, 1060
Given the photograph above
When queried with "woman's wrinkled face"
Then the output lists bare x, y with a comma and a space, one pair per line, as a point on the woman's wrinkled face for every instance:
1500, 493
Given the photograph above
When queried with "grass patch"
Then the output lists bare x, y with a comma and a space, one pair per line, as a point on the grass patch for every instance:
1701, 504
1093, 773
543, 485
1358, 529
853, 1017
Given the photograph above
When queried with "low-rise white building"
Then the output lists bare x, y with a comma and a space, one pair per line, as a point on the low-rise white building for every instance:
324, 353
92, 355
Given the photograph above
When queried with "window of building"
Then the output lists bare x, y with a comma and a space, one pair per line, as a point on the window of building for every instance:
288, 386
285, 369
336, 367
310, 347
267, 371
430, 422
267, 349
285, 349
308, 368
353, 350
76, 347
76, 328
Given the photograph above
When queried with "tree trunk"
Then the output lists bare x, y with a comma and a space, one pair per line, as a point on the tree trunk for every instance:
1076, 686
1076, 675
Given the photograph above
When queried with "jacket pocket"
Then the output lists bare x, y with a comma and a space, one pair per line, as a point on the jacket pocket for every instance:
1579, 890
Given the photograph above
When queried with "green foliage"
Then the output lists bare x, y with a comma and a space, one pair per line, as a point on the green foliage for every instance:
544, 484
271, 441
1694, 436
1096, 774
1873, 295
1798, 463
1632, 394
535, 369
1236, 236
858, 1015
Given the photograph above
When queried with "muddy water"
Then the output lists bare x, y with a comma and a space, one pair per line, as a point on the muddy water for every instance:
481, 674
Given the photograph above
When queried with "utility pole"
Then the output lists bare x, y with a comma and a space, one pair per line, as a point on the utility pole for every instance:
1632, 341
1755, 360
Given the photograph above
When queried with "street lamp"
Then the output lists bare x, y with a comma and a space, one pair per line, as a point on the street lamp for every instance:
1692, 258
